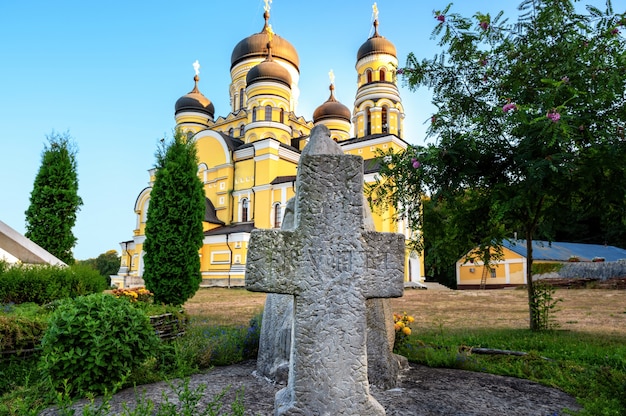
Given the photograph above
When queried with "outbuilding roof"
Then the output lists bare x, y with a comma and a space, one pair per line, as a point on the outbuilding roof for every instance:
560, 251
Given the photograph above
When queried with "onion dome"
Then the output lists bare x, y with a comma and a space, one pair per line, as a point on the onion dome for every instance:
331, 109
376, 44
269, 70
195, 101
255, 46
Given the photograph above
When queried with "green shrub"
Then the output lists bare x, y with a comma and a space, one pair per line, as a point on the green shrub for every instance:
541, 268
19, 333
543, 304
43, 284
93, 342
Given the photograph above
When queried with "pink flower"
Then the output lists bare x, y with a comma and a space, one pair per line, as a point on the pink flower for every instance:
433, 119
441, 17
554, 116
565, 79
400, 71
415, 163
483, 62
484, 25
615, 31
508, 107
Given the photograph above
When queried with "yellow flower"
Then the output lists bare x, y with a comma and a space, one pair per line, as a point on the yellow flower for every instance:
406, 330
411, 319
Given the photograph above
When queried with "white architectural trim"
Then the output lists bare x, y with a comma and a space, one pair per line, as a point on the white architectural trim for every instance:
374, 142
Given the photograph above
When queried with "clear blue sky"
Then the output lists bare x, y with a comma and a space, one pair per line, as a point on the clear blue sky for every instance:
110, 73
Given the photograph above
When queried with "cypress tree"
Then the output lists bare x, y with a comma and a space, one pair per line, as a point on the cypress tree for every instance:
174, 231
54, 200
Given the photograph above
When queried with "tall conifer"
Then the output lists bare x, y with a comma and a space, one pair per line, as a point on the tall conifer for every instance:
54, 200
174, 231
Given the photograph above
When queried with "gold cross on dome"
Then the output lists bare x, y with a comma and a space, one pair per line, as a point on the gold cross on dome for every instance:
267, 5
375, 11
196, 67
331, 75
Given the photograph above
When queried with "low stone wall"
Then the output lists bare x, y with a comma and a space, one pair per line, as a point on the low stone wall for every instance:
593, 270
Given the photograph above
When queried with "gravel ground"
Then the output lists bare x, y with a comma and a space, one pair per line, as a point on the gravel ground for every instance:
422, 391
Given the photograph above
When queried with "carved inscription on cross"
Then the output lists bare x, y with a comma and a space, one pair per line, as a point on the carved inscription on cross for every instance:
331, 265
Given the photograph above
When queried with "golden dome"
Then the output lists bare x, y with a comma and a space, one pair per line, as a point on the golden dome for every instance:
195, 101
331, 109
255, 46
376, 44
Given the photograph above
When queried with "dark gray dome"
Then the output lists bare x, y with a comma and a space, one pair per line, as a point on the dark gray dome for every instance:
195, 101
376, 44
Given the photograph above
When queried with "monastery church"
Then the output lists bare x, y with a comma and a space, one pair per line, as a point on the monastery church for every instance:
248, 158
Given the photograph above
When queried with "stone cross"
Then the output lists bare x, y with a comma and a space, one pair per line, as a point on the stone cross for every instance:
331, 265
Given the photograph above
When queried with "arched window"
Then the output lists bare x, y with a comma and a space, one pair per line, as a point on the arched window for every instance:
381, 74
231, 131
282, 115
241, 98
268, 113
277, 215
384, 120
368, 122
253, 113
242, 130
244, 209
368, 75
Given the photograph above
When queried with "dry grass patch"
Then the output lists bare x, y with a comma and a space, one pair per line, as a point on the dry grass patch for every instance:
222, 306
586, 310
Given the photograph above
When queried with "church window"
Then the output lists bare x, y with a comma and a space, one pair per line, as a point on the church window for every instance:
241, 130
381, 74
231, 131
253, 113
282, 115
268, 113
368, 75
241, 98
277, 215
384, 120
368, 122
244, 209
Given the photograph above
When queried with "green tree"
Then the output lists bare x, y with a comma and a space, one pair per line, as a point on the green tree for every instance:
54, 200
106, 264
529, 117
174, 231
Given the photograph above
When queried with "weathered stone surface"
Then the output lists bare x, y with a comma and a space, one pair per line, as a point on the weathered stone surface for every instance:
275, 338
331, 264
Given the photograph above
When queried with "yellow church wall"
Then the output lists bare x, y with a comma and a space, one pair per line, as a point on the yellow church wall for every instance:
208, 151
262, 208
244, 176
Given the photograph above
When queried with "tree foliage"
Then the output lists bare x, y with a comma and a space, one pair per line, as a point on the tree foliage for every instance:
529, 120
54, 200
174, 230
106, 264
